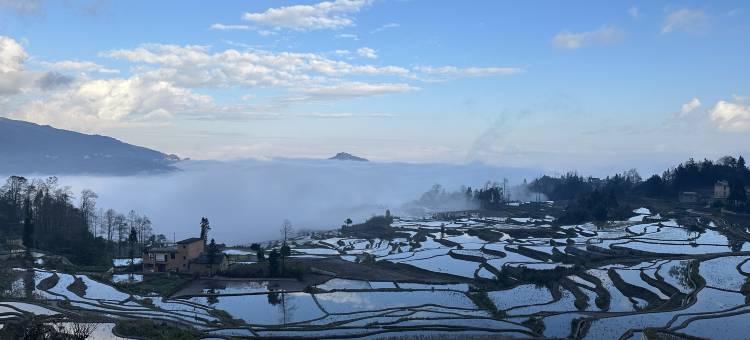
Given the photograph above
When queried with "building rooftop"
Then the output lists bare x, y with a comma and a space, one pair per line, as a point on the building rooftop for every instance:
160, 250
190, 240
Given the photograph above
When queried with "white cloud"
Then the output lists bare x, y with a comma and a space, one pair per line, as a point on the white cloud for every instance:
12, 55
634, 12
93, 104
571, 40
324, 15
453, 71
267, 33
196, 66
385, 27
78, 66
223, 27
686, 20
332, 115
731, 116
356, 89
22, 6
14, 78
342, 52
367, 52
163, 78
347, 36
688, 107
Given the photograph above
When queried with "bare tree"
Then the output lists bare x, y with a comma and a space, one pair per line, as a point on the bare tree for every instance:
121, 226
286, 229
88, 206
109, 221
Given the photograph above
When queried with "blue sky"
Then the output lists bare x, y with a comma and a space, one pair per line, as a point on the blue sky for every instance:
554, 85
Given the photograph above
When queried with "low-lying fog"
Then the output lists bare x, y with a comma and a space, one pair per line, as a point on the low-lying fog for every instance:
247, 200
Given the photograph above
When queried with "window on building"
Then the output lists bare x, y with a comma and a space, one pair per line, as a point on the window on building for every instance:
172, 256
184, 258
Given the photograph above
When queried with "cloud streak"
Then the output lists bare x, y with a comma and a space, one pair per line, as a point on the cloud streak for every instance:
575, 40
324, 15
685, 20
223, 27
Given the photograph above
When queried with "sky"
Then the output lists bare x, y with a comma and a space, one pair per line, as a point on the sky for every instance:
551, 85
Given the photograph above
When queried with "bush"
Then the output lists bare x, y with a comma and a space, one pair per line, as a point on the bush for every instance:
147, 329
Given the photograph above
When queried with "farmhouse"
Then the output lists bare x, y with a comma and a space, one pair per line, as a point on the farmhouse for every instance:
186, 256
12, 247
721, 190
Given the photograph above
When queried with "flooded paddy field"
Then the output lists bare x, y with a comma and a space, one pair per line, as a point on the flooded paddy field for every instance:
506, 277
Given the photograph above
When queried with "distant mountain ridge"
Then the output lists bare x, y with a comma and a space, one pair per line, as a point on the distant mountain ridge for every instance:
343, 156
27, 148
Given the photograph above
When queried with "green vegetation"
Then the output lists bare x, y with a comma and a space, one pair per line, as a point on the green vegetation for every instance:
483, 301
163, 285
226, 318
46, 327
49, 282
535, 324
146, 329
374, 227
78, 287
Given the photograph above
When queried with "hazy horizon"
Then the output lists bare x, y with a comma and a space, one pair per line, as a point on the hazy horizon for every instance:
598, 87
247, 200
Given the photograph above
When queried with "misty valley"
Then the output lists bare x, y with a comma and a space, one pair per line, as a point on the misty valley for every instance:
556, 257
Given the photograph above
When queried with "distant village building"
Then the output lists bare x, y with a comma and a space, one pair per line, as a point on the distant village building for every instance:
721, 190
12, 247
688, 197
186, 256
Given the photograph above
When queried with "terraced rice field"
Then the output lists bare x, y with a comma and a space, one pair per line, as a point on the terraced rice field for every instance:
519, 277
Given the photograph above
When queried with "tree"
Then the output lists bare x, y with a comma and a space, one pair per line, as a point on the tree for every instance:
653, 187
260, 254
109, 223
286, 230
158, 240
121, 226
205, 227
285, 251
632, 176
348, 222
737, 190
273, 263
88, 207
132, 241
43, 215
212, 252
28, 225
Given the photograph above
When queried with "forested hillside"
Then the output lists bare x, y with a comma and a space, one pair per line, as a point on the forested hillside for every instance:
49, 216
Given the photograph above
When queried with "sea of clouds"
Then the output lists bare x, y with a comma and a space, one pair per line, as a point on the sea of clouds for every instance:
247, 200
